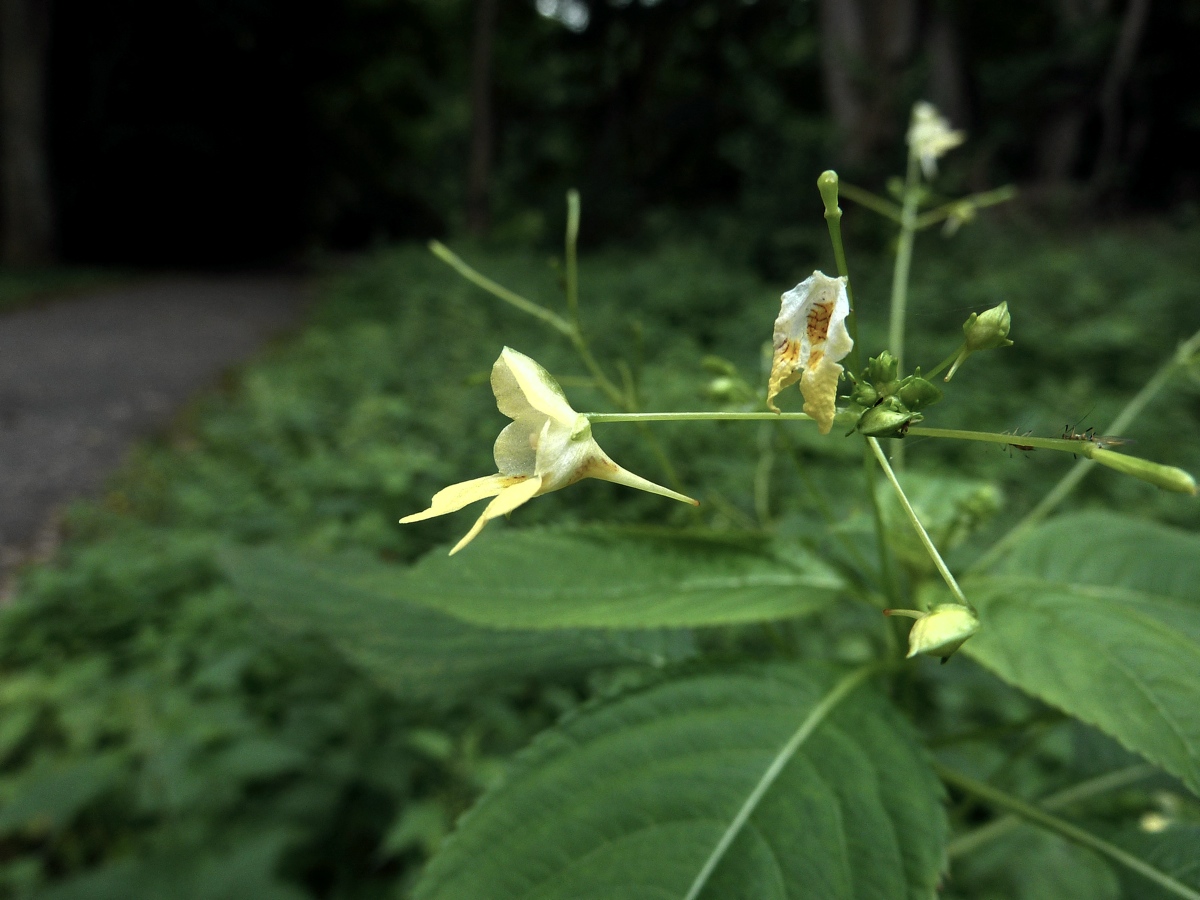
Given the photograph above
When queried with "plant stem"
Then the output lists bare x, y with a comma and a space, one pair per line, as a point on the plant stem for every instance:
699, 417
943, 365
872, 201
1033, 814
942, 568
572, 256
1085, 790
891, 586
833, 219
811, 722
448, 256
978, 201
1063, 445
1071, 480
900, 273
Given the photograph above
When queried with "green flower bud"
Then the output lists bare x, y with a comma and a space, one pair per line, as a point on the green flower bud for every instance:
916, 393
882, 370
983, 331
887, 419
864, 394
827, 184
942, 630
988, 330
1168, 478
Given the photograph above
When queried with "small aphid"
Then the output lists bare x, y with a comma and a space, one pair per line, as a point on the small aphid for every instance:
1024, 448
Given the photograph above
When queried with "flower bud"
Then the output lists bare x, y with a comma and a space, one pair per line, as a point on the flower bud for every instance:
882, 370
1168, 478
988, 329
942, 630
916, 393
983, 331
888, 419
827, 184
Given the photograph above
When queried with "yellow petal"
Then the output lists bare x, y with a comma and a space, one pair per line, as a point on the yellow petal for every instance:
456, 496
508, 500
522, 386
819, 385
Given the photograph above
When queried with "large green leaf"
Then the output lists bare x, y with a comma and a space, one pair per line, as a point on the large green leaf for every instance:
760, 784
416, 651
1100, 616
614, 578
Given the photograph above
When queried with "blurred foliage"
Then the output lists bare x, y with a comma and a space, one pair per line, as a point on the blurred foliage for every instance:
227, 130
158, 739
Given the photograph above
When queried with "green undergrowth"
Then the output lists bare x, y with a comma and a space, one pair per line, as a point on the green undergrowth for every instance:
161, 738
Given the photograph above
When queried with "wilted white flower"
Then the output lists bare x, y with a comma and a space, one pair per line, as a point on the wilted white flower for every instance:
547, 446
930, 136
810, 339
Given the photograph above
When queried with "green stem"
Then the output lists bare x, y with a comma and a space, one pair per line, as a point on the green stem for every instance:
900, 273
979, 201
942, 568
943, 365
891, 585
828, 184
572, 241
1085, 790
872, 201
700, 417
555, 321
1031, 813
1071, 480
1078, 447
904, 251
811, 722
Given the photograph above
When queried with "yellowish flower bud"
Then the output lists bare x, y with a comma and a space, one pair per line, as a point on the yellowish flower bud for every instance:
942, 630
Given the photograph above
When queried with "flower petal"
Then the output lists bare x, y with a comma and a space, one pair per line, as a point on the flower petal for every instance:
516, 448
930, 136
508, 500
810, 334
456, 496
819, 385
524, 389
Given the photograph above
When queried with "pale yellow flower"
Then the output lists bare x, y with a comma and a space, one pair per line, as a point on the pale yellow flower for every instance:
547, 446
810, 339
931, 137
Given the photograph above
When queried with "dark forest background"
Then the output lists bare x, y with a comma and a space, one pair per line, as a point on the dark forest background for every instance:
218, 132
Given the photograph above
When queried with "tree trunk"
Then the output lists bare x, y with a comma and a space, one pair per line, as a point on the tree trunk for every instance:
1115, 79
479, 169
843, 55
28, 212
947, 73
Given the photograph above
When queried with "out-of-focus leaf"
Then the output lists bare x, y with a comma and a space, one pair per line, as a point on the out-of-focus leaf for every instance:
614, 578
415, 650
47, 797
1100, 616
642, 798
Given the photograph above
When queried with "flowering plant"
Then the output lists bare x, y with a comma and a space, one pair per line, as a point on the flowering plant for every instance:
714, 760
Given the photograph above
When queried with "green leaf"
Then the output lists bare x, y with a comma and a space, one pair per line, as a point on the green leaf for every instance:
1100, 616
416, 651
759, 784
614, 578
1175, 851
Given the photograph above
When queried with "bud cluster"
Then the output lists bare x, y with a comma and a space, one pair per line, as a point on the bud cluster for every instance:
890, 403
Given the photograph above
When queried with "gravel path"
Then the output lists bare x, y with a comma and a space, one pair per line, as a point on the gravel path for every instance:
82, 379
